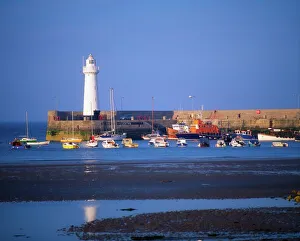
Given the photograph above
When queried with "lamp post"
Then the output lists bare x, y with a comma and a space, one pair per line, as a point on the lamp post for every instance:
192, 97
122, 102
152, 113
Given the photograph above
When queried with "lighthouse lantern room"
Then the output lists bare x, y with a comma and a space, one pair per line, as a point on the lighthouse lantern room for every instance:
90, 99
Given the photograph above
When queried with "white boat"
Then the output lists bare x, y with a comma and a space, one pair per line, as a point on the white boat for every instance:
26, 138
265, 137
160, 142
38, 143
150, 136
220, 143
110, 144
92, 142
181, 142
236, 143
279, 144
111, 135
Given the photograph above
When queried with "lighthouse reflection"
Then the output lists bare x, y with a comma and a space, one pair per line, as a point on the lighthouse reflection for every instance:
90, 213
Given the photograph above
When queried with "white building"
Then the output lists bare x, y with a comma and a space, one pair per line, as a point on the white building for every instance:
90, 101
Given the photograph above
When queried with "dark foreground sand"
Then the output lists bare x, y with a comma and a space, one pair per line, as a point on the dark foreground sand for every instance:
211, 179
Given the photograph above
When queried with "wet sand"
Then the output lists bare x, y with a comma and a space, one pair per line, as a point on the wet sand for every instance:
245, 224
212, 179
160, 180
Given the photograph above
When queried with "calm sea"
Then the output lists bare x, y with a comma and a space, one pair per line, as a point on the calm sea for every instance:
55, 154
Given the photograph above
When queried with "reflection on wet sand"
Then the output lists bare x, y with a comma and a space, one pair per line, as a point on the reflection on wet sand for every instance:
90, 213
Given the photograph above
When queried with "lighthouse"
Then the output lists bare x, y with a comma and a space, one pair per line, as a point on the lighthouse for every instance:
90, 99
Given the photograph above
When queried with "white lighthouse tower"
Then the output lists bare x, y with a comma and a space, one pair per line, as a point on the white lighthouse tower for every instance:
90, 102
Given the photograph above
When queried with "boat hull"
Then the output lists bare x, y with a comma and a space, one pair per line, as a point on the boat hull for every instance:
188, 136
70, 146
264, 137
114, 137
38, 143
74, 140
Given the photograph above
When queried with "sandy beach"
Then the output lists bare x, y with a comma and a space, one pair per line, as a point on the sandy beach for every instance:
213, 179
160, 180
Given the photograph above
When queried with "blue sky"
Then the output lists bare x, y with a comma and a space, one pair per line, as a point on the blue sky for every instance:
228, 54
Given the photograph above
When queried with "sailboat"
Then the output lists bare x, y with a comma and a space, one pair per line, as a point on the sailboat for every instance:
72, 139
26, 138
92, 142
111, 135
151, 137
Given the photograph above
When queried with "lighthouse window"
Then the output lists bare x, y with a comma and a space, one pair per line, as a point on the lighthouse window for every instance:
91, 61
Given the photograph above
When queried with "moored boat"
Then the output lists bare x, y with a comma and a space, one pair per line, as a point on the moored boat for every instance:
237, 142
127, 142
38, 143
220, 143
276, 135
194, 131
110, 144
71, 139
181, 142
244, 134
203, 141
265, 137
70, 145
110, 136
17, 144
92, 142
279, 144
253, 143
160, 142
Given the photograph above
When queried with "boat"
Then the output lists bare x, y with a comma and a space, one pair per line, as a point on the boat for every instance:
92, 142
17, 144
194, 131
279, 144
181, 142
245, 134
27, 139
71, 139
160, 142
276, 135
220, 143
253, 143
38, 143
154, 134
127, 142
110, 144
151, 136
70, 145
237, 142
111, 135
203, 141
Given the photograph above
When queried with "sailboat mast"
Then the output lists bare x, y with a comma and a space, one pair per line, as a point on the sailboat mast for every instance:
72, 125
26, 117
152, 112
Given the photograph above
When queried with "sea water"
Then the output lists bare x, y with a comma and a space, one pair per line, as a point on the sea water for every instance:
54, 153
41, 220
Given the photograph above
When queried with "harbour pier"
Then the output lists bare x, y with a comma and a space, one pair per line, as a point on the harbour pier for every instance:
137, 123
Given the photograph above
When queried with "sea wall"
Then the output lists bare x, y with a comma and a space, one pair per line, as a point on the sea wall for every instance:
140, 122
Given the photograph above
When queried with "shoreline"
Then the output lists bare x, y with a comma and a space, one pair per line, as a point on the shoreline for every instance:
150, 180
